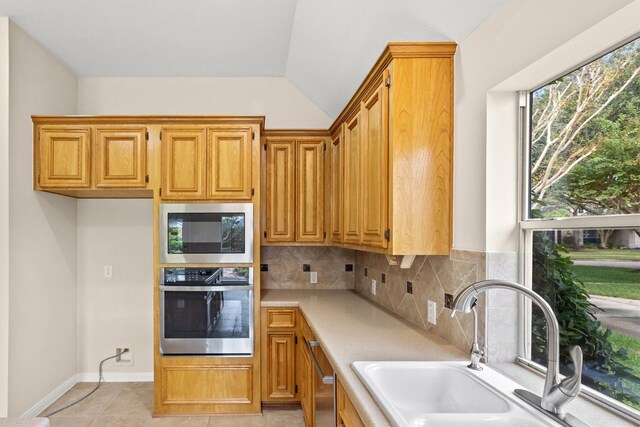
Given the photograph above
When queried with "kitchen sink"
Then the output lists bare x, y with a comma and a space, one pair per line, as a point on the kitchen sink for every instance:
445, 394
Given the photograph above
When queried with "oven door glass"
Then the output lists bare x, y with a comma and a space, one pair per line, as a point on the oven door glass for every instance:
206, 233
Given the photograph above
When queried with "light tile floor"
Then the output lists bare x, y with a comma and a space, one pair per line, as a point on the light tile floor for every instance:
131, 404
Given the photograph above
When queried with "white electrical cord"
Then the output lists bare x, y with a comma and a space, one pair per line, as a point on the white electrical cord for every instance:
100, 380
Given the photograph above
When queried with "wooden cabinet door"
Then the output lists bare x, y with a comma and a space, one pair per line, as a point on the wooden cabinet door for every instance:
280, 191
352, 181
335, 185
306, 387
281, 371
65, 157
229, 163
183, 152
310, 191
121, 157
374, 168
346, 413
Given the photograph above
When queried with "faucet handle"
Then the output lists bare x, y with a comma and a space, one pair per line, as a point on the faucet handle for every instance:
571, 385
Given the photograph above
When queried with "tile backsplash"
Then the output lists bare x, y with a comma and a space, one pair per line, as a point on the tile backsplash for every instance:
285, 265
429, 278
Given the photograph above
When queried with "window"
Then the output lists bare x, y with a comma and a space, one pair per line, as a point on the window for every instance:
581, 226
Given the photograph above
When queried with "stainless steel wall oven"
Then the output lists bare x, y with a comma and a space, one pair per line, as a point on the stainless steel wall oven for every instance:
206, 311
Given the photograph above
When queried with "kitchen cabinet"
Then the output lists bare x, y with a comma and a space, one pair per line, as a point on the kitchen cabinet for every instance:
346, 413
294, 175
229, 163
279, 341
398, 147
206, 163
336, 177
121, 157
352, 181
64, 156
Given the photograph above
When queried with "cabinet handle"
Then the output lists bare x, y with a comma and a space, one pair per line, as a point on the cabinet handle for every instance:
326, 379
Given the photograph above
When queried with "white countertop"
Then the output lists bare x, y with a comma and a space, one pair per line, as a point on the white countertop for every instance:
349, 327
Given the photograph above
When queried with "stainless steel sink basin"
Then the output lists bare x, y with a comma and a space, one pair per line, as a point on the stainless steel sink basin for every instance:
445, 394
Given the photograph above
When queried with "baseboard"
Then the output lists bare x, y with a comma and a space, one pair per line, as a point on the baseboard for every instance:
51, 397
116, 377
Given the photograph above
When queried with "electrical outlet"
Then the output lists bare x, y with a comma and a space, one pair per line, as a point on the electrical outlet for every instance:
348, 267
409, 287
306, 267
448, 300
383, 278
366, 272
431, 312
108, 271
264, 267
374, 287
124, 356
313, 277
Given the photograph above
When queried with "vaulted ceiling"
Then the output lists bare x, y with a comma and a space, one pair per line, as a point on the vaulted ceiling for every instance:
324, 47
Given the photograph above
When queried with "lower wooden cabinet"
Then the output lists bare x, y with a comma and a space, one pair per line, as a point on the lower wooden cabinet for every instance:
346, 413
306, 387
279, 341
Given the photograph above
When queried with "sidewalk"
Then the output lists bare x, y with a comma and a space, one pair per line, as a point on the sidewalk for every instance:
619, 314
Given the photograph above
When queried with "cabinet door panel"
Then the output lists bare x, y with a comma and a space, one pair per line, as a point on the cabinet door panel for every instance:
280, 189
207, 385
281, 365
65, 157
121, 157
229, 163
352, 182
337, 169
183, 153
374, 168
310, 191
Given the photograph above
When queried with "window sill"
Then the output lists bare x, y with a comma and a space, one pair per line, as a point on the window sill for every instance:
589, 411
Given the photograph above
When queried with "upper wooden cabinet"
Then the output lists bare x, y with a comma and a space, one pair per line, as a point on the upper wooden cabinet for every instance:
121, 157
64, 157
212, 163
183, 163
294, 188
336, 178
229, 163
397, 132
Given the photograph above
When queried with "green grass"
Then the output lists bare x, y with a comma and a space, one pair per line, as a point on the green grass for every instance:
610, 281
632, 346
609, 254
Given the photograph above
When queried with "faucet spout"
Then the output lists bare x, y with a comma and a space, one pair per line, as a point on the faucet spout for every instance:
556, 393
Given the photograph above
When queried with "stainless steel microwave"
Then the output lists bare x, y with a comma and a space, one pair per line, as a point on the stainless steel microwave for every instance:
206, 233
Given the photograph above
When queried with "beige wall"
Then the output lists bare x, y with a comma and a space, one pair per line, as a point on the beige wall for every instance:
516, 35
117, 311
4, 215
120, 233
274, 97
42, 235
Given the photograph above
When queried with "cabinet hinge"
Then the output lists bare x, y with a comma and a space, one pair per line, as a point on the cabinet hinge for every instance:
252, 191
296, 388
265, 147
253, 135
325, 146
161, 191
146, 135
295, 340
324, 234
387, 234
160, 135
387, 82
146, 178
38, 179
265, 234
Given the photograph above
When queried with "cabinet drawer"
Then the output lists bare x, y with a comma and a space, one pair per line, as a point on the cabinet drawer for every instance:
281, 318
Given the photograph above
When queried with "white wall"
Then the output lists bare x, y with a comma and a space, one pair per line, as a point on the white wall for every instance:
274, 97
118, 312
42, 235
516, 35
4, 215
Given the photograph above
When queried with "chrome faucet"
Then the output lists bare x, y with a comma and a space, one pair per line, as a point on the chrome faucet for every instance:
475, 354
556, 393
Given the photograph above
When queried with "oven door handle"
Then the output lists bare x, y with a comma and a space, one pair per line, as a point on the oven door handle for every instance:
165, 288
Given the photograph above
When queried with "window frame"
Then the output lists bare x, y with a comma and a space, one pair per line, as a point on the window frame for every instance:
527, 226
